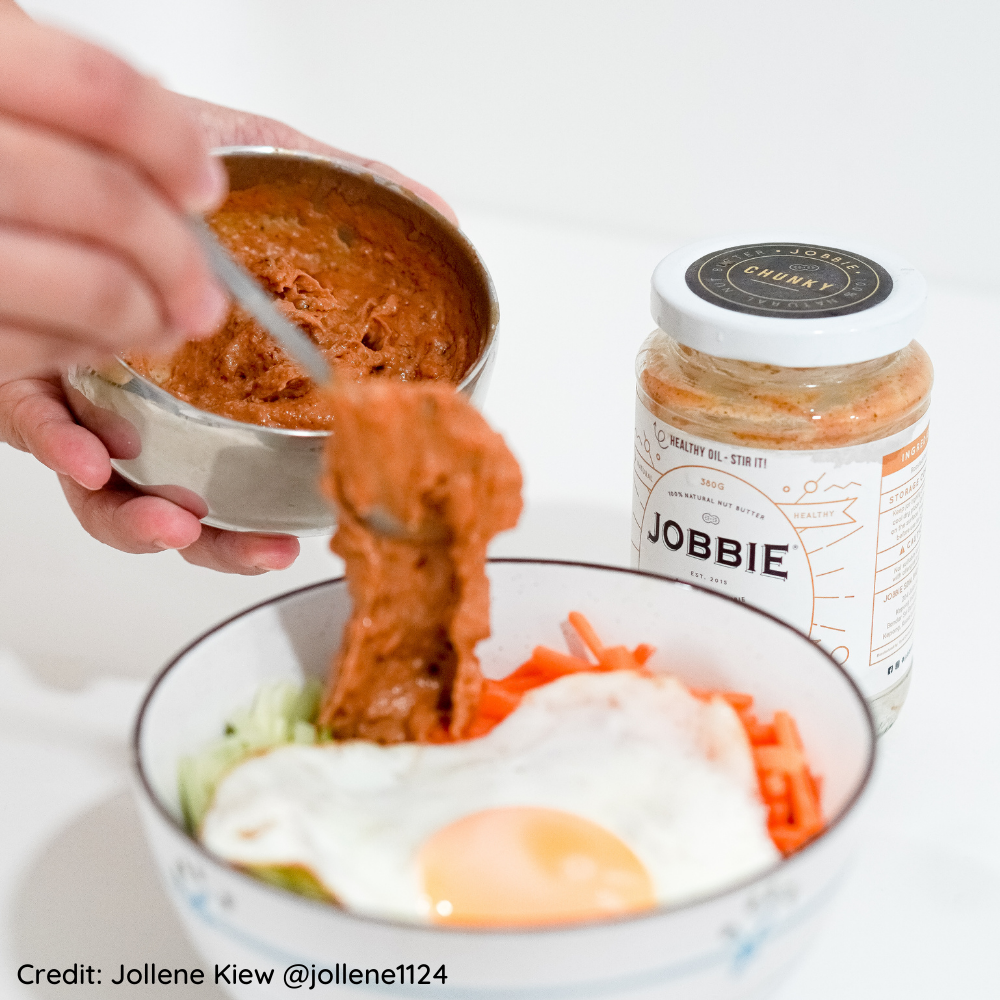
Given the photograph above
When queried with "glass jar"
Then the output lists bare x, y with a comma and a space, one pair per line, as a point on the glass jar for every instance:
780, 446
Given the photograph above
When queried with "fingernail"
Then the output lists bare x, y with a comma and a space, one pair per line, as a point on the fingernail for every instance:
210, 312
211, 189
268, 566
159, 545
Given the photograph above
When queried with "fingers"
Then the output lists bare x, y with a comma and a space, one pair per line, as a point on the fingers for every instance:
420, 190
9, 8
78, 89
130, 521
75, 290
56, 190
28, 354
133, 522
34, 418
227, 127
241, 552
98, 165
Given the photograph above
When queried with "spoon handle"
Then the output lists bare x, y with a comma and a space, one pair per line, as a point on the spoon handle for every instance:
259, 304
242, 286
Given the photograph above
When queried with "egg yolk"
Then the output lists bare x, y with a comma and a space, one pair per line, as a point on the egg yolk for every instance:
528, 865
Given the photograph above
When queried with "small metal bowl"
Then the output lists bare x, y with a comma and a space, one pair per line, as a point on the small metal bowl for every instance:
241, 476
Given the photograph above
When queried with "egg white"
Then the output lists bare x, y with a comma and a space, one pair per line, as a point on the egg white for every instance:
672, 776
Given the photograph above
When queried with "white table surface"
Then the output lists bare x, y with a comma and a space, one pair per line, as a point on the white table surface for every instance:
84, 628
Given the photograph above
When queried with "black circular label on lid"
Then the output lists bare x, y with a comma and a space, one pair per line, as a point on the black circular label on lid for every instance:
788, 280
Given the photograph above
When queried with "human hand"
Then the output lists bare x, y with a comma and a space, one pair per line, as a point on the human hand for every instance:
100, 167
226, 127
35, 417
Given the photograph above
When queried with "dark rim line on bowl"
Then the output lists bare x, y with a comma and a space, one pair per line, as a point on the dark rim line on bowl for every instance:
535, 929
185, 409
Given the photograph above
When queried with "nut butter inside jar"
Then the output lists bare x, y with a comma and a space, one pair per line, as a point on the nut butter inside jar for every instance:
780, 444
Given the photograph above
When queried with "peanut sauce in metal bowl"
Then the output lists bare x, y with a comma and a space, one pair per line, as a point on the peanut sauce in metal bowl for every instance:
368, 286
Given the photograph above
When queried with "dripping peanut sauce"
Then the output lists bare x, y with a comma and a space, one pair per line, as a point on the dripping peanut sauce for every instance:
373, 291
406, 668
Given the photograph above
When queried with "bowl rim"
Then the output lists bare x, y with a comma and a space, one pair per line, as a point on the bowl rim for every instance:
657, 911
152, 391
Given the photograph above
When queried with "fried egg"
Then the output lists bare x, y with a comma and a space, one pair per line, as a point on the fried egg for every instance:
601, 794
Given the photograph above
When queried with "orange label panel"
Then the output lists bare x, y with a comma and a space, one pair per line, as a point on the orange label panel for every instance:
902, 458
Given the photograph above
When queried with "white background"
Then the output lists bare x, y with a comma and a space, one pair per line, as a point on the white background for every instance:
579, 142
651, 117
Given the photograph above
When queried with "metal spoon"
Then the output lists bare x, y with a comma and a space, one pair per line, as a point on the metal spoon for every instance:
244, 288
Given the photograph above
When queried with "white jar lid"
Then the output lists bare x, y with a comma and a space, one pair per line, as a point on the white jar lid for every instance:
784, 301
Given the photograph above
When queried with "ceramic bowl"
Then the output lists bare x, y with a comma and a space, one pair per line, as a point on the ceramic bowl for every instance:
241, 476
733, 944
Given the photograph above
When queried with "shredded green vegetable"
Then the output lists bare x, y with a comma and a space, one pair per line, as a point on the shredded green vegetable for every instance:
281, 712
292, 878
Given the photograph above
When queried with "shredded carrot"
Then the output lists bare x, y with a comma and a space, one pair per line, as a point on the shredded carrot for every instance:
779, 758
817, 785
586, 632
617, 658
779, 813
773, 786
526, 677
496, 702
558, 662
787, 787
643, 652
758, 733
805, 808
786, 838
741, 702
480, 726
786, 731
702, 694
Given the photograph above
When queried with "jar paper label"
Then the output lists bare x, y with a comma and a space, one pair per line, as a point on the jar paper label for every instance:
826, 540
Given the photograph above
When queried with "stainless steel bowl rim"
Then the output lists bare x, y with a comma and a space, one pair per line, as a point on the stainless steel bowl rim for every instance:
168, 401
